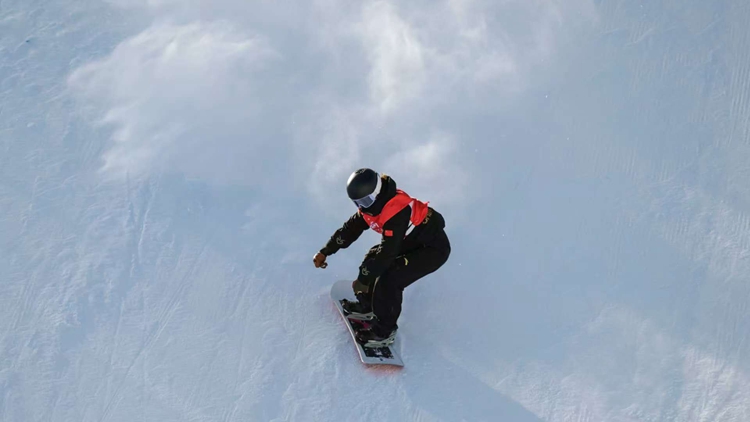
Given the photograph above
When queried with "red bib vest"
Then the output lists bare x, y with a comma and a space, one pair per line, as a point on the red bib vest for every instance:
393, 207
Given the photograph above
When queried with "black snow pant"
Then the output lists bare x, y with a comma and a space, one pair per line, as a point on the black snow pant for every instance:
417, 259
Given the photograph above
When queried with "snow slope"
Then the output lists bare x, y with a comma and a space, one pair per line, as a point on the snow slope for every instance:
168, 169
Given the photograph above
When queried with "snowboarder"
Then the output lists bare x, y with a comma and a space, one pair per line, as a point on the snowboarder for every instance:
413, 245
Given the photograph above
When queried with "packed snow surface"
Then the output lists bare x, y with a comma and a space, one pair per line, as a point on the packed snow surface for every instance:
168, 169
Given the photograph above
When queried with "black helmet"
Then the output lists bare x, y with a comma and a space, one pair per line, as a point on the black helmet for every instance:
363, 187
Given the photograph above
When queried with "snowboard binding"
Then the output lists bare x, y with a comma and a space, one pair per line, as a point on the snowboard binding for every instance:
368, 338
357, 310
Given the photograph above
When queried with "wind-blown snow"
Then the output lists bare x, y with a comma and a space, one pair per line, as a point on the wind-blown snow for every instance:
168, 169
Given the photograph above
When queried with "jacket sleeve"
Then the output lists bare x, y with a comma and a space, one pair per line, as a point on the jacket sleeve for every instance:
389, 248
346, 235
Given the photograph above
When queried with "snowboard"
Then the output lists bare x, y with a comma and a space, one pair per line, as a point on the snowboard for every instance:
371, 356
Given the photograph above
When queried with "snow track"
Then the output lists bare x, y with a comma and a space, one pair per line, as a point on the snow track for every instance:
167, 171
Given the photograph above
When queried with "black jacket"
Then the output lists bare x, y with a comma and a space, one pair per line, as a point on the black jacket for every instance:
390, 247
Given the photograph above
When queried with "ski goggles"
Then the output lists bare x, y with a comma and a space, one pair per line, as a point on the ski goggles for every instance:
368, 200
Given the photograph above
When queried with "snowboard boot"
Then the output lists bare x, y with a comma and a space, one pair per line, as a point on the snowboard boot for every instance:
377, 336
357, 311
360, 310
